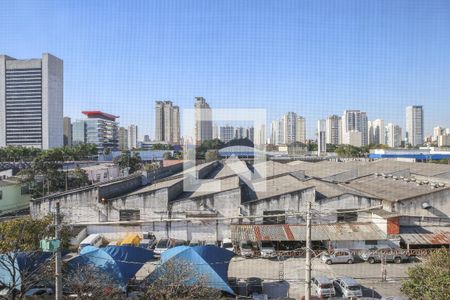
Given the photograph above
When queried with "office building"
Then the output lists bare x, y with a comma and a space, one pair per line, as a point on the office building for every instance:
31, 102
146, 138
102, 130
132, 137
355, 128
203, 120
250, 133
274, 132
167, 122
291, 128
226, 133
300, 130
67, 131
444, 140
239, 132
260, 136
123, 139
334, 130
414, 125
216, 133
78, 132
377, 132
393, 135
321, 137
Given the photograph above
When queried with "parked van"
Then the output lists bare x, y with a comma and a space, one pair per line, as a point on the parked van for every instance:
267, 249
246, 248
95, 240
349, 287
323, 286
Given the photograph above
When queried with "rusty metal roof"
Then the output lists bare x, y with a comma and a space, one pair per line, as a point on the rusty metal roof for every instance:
426, 235
319, 232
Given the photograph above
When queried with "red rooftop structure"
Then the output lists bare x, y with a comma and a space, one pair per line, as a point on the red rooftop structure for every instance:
99, 114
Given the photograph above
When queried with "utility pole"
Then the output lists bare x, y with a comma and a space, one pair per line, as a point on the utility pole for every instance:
58, 276
308, 254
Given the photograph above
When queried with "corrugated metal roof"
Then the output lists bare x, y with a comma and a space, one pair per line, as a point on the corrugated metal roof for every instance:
427, 235
319, 232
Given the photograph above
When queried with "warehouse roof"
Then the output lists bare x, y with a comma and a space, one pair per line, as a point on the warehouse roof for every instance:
390, 189
319, 232
426, 235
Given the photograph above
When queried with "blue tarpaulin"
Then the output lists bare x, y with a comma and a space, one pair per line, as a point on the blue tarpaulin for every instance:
20, 264
209, 262
121, 263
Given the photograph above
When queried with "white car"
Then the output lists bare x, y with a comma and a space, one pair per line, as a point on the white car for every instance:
323, 286
228, 244
267, 249
162, 246
348, 286
246, 248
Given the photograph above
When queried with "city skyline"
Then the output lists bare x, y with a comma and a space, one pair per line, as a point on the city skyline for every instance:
311, 62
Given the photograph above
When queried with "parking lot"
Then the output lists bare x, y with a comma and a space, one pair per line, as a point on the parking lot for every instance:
293, 271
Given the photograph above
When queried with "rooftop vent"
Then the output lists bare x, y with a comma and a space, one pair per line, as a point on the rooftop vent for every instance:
426, 205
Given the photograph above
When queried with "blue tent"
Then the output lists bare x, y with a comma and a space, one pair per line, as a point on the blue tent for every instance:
210, 262
121, 263
20, 263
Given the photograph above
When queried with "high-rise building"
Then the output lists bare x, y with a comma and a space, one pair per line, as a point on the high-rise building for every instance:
132, 137
334, 130
321, 137
300, 129
393, 135
377, 132
354, 121
260, 136
31, 102
167, 122
250, 133
226, 133
102, 130
239, 132
274, 132
414, 125
203, 120
78, 132
216, 133
67, 131
146, 138
437, 131
292, 128
123, 139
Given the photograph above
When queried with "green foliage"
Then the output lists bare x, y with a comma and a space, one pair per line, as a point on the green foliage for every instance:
211, 155
331, 148
129, 160
213, 144
161, 147
167, 155
431, 279
24, 234
18, 153
350, 151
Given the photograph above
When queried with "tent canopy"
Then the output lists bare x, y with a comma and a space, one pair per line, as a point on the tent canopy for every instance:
14, 265
132, 239
119, 262
209, 262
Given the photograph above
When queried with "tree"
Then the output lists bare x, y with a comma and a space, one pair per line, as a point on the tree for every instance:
21, 237
78, 178
161, 147
180, 280
167, 155
431, 279
211, 155
350, 151
129, 160
89, 282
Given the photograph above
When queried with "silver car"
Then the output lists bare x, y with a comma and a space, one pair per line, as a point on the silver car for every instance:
323, 286
339, 256
348, 286
374, 255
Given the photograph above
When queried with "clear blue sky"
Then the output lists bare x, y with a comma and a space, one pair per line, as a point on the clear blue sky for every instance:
312, 57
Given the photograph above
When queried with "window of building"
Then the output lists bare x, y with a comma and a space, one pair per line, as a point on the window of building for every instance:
347, 217
273, 217
129, 215
371, 242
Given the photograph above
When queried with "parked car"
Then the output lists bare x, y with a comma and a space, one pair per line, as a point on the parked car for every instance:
161, 246
339, 256
176, 243
348, 286
95, 240
246, 248
211, 243
374, 255
267, 249
227, 244
194, 243
323, 286
39, 291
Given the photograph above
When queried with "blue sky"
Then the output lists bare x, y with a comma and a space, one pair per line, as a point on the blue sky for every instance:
315, 58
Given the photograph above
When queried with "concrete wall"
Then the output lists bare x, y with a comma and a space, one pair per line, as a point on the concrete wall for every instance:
291, 202
120, 186
439, 201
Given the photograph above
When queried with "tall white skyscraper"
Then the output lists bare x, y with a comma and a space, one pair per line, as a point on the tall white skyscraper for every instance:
291, 128
132, 137
355, 128
167, 122
321, 137
203, 120
274, 132
334, 130
393, 135
31, 102
123, 139
377, 132
414, 125
300, 130
216, 132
